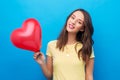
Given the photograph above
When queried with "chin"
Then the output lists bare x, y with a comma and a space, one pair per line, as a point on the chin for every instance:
70, 31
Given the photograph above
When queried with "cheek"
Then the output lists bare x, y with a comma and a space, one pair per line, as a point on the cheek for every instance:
68, 21
79, 26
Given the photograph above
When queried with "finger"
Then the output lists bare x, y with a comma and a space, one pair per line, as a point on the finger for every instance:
36, 54
34, 57
41, 53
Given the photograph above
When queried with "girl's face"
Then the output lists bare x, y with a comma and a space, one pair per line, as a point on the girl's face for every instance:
75, 22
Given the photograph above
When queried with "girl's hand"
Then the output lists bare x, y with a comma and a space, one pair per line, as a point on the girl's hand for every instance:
39, 57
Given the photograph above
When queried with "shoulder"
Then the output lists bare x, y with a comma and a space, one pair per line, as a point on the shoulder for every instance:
52, 43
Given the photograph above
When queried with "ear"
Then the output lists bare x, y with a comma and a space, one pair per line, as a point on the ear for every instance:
82, 29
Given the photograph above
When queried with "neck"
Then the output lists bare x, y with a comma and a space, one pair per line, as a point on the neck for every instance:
71, 38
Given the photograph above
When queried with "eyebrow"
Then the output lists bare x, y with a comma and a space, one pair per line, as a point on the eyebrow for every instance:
73, 15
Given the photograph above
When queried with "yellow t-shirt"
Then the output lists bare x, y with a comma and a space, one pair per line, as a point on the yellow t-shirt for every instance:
66, 64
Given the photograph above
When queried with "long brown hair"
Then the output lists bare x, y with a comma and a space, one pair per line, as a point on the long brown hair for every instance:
84, 37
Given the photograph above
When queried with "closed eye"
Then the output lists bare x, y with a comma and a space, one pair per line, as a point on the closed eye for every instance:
79, 22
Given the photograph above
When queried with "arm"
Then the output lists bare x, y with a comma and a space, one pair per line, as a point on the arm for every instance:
46, 66
89, 69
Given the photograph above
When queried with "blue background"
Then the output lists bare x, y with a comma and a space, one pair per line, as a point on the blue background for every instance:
18, 64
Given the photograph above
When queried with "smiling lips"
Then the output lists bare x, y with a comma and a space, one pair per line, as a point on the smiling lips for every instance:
71, 26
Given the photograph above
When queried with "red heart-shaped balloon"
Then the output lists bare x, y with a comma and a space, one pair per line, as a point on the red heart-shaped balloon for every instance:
29, 36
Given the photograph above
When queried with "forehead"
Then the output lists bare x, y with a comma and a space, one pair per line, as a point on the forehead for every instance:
79, 15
